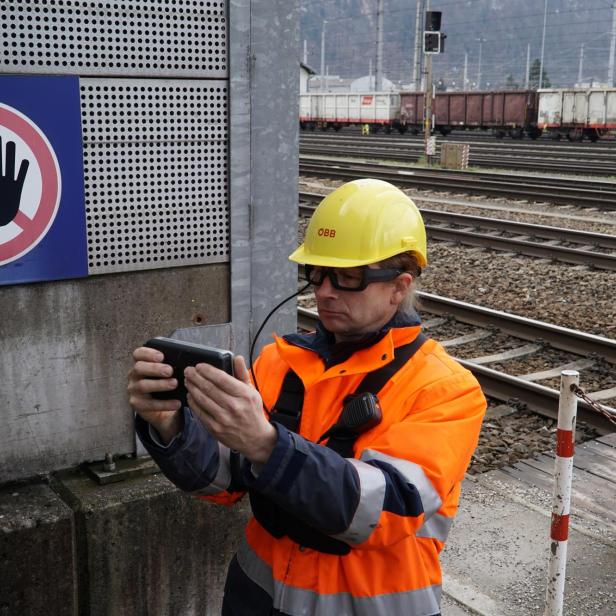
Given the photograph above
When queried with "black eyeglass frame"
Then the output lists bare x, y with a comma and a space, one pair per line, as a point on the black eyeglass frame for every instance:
369, 276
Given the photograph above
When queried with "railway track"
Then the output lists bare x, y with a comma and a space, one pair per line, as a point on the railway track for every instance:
478, 137
527, 239
605, 153
470, 330
586, 193
536, 159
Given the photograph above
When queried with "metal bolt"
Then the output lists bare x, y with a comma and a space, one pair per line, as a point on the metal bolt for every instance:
109, 464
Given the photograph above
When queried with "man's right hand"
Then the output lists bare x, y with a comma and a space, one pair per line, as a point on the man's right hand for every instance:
149, 375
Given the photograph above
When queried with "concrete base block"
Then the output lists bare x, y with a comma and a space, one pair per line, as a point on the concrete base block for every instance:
37, 561
144, 548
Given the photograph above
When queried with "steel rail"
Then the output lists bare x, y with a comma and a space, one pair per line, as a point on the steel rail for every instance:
476, 136
509, 186
563, 338
587, 238
502, 386
592, 153
553, 181
525, 247
475, 160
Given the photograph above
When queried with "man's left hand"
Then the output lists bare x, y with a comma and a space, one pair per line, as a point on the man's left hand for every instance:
231, 409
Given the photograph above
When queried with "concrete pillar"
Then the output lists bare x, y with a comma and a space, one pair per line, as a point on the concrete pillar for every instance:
37, 555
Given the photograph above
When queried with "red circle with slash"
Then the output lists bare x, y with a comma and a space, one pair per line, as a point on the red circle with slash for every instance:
33, 229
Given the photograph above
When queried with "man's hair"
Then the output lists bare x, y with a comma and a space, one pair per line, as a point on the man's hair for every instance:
407, 262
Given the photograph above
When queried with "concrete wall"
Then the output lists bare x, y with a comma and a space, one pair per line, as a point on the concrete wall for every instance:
134, 548
66, 353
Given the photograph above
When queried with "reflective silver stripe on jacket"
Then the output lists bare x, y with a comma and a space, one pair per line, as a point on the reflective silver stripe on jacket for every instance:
437, 527
298, 601
223, 475
415, 475
371, 496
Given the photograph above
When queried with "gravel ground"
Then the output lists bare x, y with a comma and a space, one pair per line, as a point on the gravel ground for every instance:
566, 295
509, 434
565, 216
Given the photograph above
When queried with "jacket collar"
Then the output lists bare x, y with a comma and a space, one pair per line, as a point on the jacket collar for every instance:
326, 358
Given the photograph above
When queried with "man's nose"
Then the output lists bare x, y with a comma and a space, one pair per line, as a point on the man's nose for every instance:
325, 289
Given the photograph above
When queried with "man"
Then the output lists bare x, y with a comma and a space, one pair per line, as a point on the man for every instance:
348, 521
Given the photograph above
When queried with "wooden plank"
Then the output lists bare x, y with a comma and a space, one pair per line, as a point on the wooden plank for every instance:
589, 494
590, 457
530, 475
595, 464
580, 364
435, 322
608, 439
604, 394
477, 335
527, 349
599, 447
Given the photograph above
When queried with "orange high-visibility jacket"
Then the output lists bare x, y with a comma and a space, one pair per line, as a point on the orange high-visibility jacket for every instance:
393, 504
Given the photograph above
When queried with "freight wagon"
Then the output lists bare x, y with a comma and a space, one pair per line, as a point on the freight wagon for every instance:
512, 112
324, 110
573, 113
578, 113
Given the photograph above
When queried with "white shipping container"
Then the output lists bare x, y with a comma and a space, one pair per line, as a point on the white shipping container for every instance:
590, 108
350, 108
550, 108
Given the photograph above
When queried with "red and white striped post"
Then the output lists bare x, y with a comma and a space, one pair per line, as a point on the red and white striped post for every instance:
563, 474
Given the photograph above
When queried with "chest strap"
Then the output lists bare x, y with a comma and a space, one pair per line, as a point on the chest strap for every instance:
288, 411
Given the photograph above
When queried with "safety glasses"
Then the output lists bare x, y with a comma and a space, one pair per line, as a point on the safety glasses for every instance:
349, 278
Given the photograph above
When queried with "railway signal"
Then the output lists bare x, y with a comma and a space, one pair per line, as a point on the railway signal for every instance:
432, 42
434, 39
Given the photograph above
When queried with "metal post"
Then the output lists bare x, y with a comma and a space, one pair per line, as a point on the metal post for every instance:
527, 80
580, 67
465, 78
428, 105
563, 473
323, 55
305, 52
610, 70
545, 17
479, 64
378, 85
415, 81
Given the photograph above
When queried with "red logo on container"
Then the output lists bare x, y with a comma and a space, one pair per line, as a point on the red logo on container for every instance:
367, 100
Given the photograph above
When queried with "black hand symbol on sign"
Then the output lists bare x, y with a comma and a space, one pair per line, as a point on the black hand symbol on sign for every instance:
10, 188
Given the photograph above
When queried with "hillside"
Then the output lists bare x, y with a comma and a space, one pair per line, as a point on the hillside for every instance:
506, 28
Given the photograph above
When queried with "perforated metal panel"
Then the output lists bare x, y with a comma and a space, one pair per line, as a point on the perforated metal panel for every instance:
155, 167
84, 37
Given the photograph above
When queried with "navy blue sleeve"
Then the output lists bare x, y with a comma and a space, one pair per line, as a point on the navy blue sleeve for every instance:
335, 495
192, 460
310, 481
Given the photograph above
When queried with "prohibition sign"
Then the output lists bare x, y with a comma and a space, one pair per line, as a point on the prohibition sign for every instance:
33, 219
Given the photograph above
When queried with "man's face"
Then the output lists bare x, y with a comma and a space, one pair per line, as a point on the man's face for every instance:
352, 314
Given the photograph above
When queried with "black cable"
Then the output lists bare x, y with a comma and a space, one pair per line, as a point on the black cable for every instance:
254, 341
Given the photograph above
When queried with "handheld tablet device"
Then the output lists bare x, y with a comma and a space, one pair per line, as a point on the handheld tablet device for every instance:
179, 355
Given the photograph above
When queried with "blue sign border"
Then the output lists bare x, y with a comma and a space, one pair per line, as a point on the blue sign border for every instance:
53, 104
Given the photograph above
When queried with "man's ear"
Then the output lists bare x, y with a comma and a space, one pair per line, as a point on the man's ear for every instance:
402, 286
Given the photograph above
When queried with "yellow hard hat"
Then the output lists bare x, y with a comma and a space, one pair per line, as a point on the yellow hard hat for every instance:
363, 222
